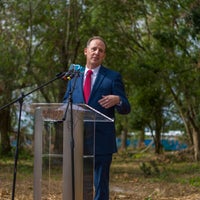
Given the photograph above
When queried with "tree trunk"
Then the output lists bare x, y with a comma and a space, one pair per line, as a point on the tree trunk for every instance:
141, 140
4, 127
195, 136
158, 121
196, 142
124, 133
123, 139
158, 146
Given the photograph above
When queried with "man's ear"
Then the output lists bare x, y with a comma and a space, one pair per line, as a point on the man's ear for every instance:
85, 51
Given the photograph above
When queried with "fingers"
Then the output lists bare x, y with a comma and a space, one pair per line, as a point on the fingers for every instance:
104, 101
108, 101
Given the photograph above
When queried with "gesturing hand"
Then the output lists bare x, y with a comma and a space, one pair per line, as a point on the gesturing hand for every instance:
109, 101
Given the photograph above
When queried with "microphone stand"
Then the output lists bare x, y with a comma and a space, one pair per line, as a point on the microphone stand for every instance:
20, 100
70, 104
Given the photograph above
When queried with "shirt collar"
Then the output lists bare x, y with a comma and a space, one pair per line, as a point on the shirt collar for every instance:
95, 70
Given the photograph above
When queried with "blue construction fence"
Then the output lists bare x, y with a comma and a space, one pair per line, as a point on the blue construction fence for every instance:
168, 144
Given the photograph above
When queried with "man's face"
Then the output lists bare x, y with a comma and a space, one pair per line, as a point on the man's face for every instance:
95, 53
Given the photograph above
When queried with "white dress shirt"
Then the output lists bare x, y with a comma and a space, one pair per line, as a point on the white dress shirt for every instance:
94, 75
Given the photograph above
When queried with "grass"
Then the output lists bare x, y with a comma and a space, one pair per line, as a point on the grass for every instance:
150, 167
129, 170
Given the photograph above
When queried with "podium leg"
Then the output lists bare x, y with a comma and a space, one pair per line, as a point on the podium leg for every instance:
78, 159
38, 154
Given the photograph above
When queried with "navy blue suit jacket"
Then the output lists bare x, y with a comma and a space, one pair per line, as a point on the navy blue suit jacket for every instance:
108, 82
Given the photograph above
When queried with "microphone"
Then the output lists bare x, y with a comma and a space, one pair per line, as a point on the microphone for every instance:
74, 69
77, 68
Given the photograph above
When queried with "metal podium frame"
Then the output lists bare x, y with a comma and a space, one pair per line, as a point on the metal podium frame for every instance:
53, 113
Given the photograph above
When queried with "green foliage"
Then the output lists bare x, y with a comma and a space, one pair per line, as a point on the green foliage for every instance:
154, 44
149, 168
145, 169
195, 181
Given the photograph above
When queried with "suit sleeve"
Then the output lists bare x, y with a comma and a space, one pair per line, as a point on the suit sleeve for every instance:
118, 89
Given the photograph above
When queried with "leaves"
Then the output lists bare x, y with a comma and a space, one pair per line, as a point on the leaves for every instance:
153, 44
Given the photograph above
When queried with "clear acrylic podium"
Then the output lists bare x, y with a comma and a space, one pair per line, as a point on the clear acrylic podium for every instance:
53, 161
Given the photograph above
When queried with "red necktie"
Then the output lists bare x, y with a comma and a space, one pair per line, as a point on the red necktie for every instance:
87, 85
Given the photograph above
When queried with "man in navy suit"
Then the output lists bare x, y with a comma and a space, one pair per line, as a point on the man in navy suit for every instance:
107, 95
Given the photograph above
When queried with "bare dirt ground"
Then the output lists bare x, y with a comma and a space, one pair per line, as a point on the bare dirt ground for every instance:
135, 190
128, 181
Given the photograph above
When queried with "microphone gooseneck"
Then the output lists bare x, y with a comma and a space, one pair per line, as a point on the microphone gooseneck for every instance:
74, 69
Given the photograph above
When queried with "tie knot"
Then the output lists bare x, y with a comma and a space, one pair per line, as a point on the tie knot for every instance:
89, 72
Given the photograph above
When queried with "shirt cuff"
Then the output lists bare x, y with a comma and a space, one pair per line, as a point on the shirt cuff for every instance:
120, 103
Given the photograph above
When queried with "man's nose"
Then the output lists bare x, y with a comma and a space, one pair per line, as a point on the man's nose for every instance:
97, 51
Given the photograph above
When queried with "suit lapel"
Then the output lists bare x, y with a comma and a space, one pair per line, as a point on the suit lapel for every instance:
99, 79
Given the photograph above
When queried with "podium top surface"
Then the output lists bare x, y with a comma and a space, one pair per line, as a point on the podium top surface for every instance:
56, 111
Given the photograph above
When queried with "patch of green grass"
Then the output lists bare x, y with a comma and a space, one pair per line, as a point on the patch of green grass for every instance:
193, 181
148, 167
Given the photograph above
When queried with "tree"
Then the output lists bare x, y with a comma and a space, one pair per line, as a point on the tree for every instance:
35, 36
154, 44
11, 70
179, 43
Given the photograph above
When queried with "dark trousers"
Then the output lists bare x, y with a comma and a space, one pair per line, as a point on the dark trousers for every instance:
101, 176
